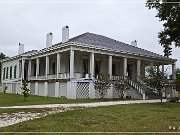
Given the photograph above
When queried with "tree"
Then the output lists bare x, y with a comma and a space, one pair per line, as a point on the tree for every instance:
178, 74
168, 11
26, 91
156, 79
121, 86
2, 56
102, 84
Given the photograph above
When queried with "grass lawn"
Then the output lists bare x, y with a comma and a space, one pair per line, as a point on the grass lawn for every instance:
16, 100
122, 118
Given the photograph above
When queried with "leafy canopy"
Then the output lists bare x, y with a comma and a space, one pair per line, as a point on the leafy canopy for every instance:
168, 11
156, 79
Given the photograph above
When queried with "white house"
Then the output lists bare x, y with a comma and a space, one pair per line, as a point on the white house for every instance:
67, 69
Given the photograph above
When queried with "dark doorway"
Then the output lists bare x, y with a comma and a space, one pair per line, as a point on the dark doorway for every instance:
129, 70
113, 69
53, 68
97, 67
85, 67
34, 69
26, 70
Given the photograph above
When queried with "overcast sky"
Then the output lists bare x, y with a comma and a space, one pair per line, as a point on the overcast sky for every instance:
29, 22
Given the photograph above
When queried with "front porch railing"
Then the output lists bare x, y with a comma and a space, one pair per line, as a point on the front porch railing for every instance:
61, 76
132, 83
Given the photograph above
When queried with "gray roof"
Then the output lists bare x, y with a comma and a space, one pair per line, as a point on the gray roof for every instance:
102, 41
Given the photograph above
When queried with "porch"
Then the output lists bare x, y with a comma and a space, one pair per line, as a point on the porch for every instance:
79, 68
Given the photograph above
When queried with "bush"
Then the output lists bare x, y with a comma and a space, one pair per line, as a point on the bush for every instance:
174, 99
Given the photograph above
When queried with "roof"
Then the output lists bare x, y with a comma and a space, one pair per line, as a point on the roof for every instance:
102, 41
96, 40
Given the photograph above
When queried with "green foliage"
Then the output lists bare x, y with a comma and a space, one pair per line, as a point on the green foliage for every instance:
174, 99
5, 89
168, 11
178, 74
26, 91
121, 86
102, 84
2, 56
156, 79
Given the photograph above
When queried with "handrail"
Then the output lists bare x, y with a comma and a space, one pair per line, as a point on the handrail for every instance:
135, 86
130, 82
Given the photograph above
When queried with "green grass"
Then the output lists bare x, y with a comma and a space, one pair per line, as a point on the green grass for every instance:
16, 100
119, 118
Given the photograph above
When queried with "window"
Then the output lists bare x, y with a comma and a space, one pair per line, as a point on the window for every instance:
11, 72
4, 73
7, 72
15, 68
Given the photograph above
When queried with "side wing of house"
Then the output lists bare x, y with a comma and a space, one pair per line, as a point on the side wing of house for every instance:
10, 76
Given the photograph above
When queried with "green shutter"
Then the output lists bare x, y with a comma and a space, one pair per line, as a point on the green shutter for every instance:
7, 72
11, 72
15, 68
4, 73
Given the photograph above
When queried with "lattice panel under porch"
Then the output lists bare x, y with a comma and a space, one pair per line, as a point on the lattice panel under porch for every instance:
82, 90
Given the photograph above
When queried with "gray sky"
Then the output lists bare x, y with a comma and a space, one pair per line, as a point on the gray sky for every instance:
29, 22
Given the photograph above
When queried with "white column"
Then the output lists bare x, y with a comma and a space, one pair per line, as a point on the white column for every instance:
110, 65
47, 66
144, 96
71, 90
138, 70
22, 70
36, 89
91, 90
71, 63
45, 88
174, 71
58, 64
92, 65
29, 68
37, 68
124, 66
56, 89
